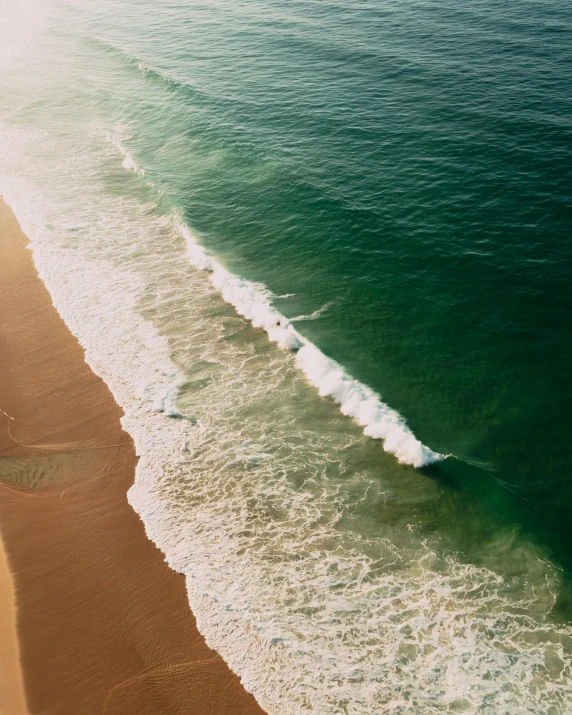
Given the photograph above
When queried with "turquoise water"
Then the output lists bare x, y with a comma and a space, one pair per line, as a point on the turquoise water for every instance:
395, 179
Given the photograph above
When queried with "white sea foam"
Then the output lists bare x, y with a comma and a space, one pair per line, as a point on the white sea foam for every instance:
128, 163
253, 301
166, 400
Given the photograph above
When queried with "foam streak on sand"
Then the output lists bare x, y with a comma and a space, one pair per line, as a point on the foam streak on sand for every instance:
253, 302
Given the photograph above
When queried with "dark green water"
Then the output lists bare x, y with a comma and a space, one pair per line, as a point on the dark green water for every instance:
409, 165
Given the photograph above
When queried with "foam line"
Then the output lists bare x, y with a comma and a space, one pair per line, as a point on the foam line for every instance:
253, 302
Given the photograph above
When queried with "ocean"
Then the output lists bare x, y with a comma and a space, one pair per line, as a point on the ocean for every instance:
320, 252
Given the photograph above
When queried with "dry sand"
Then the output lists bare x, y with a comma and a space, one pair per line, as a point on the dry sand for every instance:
103, 625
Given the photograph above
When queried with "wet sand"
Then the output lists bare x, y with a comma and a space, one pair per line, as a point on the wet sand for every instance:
12, 699
103, 625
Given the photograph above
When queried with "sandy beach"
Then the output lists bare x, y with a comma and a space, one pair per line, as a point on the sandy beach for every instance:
93, 620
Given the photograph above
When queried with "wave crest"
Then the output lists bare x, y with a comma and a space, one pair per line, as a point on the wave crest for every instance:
253, 301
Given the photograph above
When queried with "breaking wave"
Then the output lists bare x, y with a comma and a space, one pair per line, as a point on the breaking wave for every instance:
253, 301
128, 163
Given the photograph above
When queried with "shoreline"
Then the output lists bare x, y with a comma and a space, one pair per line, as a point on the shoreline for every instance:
103, 624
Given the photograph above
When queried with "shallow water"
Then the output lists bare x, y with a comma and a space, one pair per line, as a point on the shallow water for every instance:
390, 182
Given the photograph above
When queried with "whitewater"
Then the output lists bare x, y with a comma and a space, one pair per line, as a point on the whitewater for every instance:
262, 511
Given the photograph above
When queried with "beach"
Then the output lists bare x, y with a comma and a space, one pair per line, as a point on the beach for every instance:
93, 619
